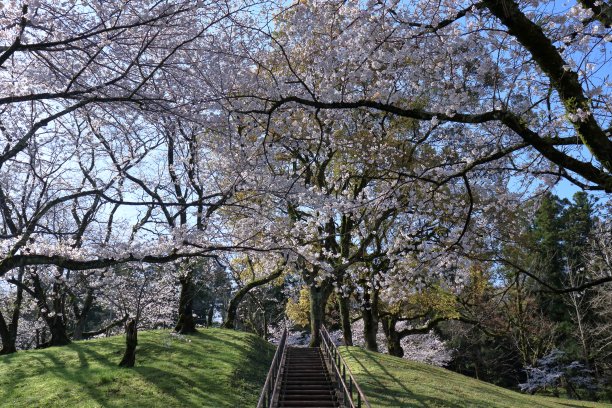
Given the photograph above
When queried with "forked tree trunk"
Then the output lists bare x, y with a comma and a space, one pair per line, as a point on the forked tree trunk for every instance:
57, 326
345, 320
392, 336
131, 341
82, 316
186, 323
59, 336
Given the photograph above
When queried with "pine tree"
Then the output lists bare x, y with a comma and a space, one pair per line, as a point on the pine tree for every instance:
546, 237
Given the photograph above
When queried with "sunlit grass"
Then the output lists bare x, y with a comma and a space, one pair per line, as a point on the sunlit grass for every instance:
394, 382
213, 368
224, 368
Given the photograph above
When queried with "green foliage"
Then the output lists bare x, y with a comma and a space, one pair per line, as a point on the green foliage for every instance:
394, 382
212, 368
547, 247
491, 359
299, 311
558, 239
527, 320
434, 301
577, 222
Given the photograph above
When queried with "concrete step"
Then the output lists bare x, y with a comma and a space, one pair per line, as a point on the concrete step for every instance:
308, 397
304, 404
305, 381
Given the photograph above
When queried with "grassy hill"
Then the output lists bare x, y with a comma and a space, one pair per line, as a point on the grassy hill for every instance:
394, 382
223, 368
214, 368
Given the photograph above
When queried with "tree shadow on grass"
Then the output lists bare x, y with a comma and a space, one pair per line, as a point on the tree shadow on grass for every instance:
256, 357
393, 393
385, 388
176, 372
72, 376
375, 388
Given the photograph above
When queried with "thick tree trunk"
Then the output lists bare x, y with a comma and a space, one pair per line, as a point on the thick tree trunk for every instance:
59, 336
392, 336
82, 316
8, 342
369, 313
78, 329
318, 301
8, 332
370, 330
232, 311
345, 320
186, 322
131, 341
55, 322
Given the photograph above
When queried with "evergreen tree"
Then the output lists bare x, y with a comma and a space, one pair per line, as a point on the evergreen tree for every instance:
577, 222
546, 242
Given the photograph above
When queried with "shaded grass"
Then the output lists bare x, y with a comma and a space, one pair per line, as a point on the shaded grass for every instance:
394, 382
213, 368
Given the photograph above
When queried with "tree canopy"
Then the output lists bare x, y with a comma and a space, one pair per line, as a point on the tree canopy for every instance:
386, 162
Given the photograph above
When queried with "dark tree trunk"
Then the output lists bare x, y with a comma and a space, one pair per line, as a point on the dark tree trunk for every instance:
131, 341
186, 323
232, 311
369, 313
8, 332
59, 336
56, 324
344, 301
345, 320
211, 314
8, 342
78, 329
392, 336
370, 330
318, 301
82, 316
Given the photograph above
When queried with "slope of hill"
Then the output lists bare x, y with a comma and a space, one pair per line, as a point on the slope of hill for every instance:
213, 368
394, 382
224, 368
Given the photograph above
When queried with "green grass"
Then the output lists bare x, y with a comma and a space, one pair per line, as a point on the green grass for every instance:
224, 368
394, 382
213, 368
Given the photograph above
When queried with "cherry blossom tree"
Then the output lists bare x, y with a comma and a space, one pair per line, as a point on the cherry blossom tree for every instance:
536, 90
78, 80
378, 152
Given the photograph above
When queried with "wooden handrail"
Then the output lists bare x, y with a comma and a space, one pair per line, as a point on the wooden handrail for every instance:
269, 389
340, 371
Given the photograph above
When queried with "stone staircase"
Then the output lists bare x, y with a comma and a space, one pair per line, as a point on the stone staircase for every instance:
306, 381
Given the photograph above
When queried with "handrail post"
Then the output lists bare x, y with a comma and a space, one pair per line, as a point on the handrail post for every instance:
340, 370
267, 392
